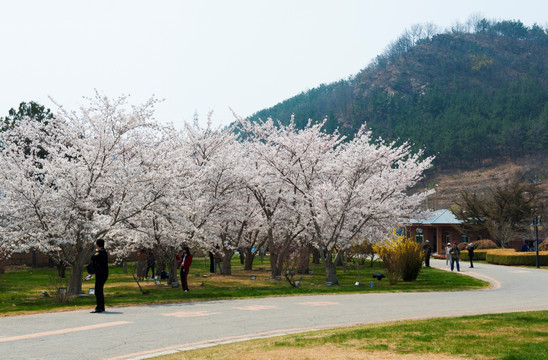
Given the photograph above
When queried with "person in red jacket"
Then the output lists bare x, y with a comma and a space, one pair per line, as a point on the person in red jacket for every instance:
185, 260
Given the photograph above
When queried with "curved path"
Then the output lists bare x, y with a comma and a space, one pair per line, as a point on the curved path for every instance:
145, 331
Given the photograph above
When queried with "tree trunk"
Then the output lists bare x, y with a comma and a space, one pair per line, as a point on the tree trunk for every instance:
304, 260
75, 279
61, 269
160, 265
242, 256
173, 271
225, 264
315, 256
34, 259
124, 266
277, 261
274, 263
331, 273
77, 264
273, 252
339, 261
329, 264
166, 260
249, 256
281, 258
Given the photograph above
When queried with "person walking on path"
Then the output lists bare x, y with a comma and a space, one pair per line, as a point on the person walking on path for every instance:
455, 255
100, 260
185, 261
471, 254
427, 253
447, 255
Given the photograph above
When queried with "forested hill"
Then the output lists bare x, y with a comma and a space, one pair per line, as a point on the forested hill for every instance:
465, 96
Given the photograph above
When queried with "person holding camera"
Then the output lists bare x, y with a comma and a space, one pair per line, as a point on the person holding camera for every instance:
471, 254
100, 261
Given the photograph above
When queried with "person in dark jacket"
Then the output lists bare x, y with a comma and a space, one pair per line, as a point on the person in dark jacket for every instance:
427, 253
100, 260
184, 263
471, 254
455, 255
151, 264
211, 262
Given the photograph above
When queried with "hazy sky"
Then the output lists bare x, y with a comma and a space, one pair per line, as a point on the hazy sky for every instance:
209, 55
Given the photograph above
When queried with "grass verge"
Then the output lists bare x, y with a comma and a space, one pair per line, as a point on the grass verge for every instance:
512, 336
21, 289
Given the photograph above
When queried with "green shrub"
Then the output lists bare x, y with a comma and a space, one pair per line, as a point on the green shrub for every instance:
511, 257
478, 255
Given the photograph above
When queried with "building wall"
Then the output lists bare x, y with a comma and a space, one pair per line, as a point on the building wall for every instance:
440, 235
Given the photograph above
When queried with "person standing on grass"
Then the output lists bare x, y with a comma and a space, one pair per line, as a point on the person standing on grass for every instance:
141, 264
471, 254
151, 264
100, 259
217, 260
185, 260
211, 262
455, 255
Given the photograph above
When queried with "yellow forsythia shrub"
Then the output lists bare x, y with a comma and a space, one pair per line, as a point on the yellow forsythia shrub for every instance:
401, 257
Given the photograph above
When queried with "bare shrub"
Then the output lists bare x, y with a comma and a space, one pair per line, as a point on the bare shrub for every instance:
58, 288
485, 244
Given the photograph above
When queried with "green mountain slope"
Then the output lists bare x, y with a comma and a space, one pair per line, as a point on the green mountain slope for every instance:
466, 97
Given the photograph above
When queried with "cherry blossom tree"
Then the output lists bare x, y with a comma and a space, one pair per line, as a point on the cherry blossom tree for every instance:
344, 190
89, 184
159, 226
113, 172
362, 187
211, 199
281, 208
199, 195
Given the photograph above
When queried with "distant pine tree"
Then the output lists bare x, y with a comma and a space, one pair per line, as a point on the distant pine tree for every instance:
464, 96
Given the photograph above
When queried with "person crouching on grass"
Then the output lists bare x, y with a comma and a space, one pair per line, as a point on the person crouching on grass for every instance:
184, 263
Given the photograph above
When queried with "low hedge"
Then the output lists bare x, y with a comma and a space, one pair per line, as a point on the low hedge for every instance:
478, 255
506, 257
511, 257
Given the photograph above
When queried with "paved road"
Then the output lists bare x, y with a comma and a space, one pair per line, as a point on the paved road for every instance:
144, 331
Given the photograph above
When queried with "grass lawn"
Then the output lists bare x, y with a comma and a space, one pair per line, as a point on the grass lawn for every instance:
21, 289
514, 336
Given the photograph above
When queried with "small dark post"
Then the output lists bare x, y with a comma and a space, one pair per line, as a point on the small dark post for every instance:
537, 225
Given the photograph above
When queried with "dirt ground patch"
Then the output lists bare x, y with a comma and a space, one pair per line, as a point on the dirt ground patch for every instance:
331, 352
449, 182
